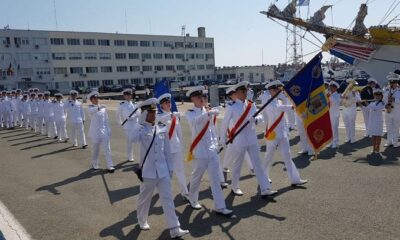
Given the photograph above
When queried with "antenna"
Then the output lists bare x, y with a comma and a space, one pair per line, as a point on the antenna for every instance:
183, 30
126, 23
55, 13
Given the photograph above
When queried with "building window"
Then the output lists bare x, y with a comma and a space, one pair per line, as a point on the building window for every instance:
132, 43
146, 55
190, 56
41, 56
122, 68
90, 56
123, 82
200, 67
209, 66
5, 56
191, 67
169, 56
26, 72
107, 82
232, 76
21, 41
136, 81
92, 69
157, 55
170, 67
76, 70
105, 56
39, 41
208, 45
57, 41
73, 41
120, 56
75, 56
159, 68
134, 68
106, 69
145, 43
168, 44
179, 56
43, 71
103, 42
199, 56
157, 43
23, 56
209, 56
179, 45
119, 42
147, 68
78, 84
89, 42
148, 81
59, 56
180, 67
60, 70
133, 55
199, 45
93, 83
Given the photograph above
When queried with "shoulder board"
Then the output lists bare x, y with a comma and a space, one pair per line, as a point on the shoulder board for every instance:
250, 101
121, 103
190, 110
160, 124
231, 103
69, 101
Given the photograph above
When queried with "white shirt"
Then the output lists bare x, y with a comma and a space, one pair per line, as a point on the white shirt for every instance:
33, 106
375, 111
334, 101
176, 141
396, 104
48, 108
271, 113
158, 163
59, 110
99, 122
125, 108
75, 111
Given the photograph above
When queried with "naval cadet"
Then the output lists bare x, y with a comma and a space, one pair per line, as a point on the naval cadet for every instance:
367, 95
392, 115
60, 116
76, 117
334, 111
49, 121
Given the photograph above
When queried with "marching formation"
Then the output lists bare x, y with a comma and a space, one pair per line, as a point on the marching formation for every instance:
159, 135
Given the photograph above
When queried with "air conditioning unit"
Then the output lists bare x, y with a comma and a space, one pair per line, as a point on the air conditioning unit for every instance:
47, 60
17, 45
7, 45
40, 76
143, 60
141, 72
37, 46
155, 71
84, 75
66, 75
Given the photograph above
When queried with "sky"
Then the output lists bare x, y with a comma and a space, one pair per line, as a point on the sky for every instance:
242, 35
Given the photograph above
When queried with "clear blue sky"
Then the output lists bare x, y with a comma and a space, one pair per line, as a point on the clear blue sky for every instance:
239, 31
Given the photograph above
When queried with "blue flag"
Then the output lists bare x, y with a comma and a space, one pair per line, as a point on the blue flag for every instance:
301, 3
160, 88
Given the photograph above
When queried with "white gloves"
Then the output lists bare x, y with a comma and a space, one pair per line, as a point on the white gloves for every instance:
214, 112
176, 114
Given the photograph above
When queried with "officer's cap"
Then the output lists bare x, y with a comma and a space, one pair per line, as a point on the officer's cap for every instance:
127, 91
230, 90
393, 77
195, 91
73, 92
242, 85
164, 97
274, 84
46, 93
372, 80
40, 94
333, 83
58, 95
93, 94
149, 104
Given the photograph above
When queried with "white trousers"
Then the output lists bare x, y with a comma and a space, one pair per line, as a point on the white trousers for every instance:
8, 119
392, 128
349, 119
164, 191
227, 163
77, 133
42, 124
284, 148
304, 145
290, 119
179, 171
200, 165
51, 129
129, 144
28, 119
365, 113
17, 116
32, 121
335, 129
96, 142
61, 129
254, 154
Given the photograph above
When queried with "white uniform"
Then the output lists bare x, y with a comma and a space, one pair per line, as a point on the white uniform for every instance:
349, 116
60, 117
246, 141
205, 157
176, 143
14, 107
157, 171
26, 113
289, 114
8, 113
392, 119
375, 121
19, 114
49, 122
334, 113
76, 117
125, 108
33, 114
1, 112
271, 114
41, 116
100, 133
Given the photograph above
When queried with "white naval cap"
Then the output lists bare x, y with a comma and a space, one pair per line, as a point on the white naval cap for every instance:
230, 90
72, 92
195, 91
377, 91
127, 91
36, 89
32, 94
148, 104
40, 94
166, 96
93, 94
243, 84
273, 84
393, 77
47, 93
58, 95
370, 80
334, 84
349, 80
326, 82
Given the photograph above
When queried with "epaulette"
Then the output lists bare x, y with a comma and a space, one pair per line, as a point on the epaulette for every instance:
190, 110
121, 103
91, 105
231, 103
160, 124
249, 100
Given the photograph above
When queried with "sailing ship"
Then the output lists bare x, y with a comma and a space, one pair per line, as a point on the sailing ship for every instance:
375, 49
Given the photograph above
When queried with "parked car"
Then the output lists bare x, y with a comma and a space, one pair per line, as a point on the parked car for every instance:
116, 88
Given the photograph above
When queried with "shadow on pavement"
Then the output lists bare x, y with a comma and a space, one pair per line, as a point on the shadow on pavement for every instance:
67, 149
388, 157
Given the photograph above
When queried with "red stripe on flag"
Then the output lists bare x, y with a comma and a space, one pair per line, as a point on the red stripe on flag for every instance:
319, 132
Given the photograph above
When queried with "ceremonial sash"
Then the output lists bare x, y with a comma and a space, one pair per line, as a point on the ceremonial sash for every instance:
241, 119
172, 128
215, 120
270, 133
196, 141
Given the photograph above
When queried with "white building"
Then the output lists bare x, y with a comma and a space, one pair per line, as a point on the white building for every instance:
64, 60
253, 74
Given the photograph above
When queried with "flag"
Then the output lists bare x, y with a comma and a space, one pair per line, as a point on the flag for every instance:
307, 91
302, 3
160, 88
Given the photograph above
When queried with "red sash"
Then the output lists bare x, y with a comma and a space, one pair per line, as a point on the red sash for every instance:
197, 140
172, 128
274, 125
241, 119
215, 120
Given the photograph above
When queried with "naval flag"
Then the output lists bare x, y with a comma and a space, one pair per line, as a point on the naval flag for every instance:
302, 3
307, 91
162, 87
